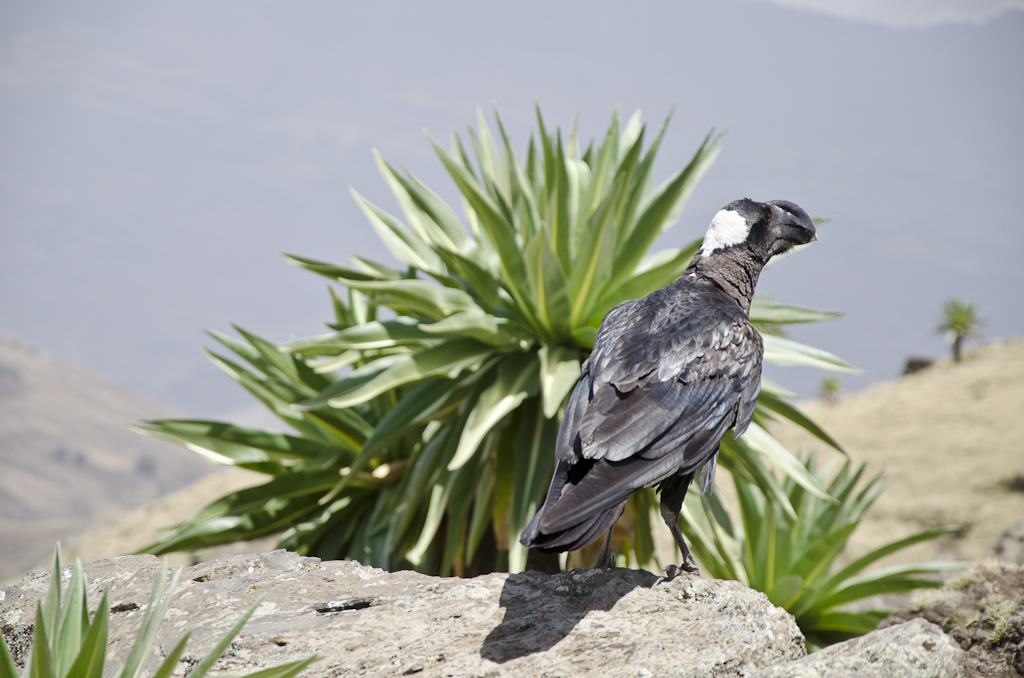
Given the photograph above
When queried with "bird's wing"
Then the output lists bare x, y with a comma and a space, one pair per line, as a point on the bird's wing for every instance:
567, 447
659, 376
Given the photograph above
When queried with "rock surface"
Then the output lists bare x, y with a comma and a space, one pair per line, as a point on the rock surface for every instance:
369, 622
982, 610
1010, 546
916, 649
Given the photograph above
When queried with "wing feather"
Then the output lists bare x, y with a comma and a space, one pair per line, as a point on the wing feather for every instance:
568, 433
716, 376
606, 485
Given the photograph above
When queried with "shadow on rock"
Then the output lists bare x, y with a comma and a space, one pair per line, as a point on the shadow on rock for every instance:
541, 610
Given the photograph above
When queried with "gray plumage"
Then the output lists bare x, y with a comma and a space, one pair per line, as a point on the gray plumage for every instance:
668, 376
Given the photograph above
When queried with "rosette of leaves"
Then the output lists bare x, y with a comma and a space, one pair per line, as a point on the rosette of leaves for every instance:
792, 559
428, 429
961, 321
66, 643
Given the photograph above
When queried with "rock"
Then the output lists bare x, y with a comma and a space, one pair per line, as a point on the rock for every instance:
1010, 546
916, 364
916, 649
369, 622
983, 611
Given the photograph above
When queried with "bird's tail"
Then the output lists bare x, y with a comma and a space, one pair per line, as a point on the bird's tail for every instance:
572, 537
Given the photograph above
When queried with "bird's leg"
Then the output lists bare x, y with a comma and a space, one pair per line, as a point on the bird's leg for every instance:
606, 559
673, 491
672, 520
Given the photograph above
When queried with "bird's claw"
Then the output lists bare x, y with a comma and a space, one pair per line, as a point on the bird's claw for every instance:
690, 568
673, 571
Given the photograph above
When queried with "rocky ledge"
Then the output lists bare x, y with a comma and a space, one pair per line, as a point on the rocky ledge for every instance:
983, 611
367, 622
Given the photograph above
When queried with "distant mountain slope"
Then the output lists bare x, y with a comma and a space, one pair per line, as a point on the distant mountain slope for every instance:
951, 438
66, 459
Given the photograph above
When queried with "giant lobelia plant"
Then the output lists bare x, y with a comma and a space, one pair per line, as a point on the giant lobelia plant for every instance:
424, 423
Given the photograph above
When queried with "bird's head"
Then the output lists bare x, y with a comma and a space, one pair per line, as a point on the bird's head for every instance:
764, 228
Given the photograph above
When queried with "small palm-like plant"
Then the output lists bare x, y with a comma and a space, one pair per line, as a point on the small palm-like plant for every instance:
427, 430
67, 644
960, 320
831, 390
791, 560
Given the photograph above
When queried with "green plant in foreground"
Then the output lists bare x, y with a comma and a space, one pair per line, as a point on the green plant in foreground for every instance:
961, 320
792, 560
429, 431
66, 644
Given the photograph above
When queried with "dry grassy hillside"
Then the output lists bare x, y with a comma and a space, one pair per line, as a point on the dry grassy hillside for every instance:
66, 459
952, 441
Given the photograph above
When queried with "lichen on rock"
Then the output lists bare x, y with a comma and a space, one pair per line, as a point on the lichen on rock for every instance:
983, 611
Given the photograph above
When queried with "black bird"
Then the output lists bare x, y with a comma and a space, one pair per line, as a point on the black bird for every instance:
668, 376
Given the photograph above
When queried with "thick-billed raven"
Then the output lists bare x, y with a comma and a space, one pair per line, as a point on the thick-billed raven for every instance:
668, 376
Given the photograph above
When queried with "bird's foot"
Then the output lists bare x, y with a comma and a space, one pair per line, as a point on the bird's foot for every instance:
690, 568
673, 571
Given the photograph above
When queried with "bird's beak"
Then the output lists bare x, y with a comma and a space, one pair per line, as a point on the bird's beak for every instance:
792, 223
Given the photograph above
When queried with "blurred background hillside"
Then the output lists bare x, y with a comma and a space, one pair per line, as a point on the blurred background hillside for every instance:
67, 461
155, 160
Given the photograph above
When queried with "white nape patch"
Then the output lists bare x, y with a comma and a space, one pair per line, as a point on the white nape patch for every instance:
727, 228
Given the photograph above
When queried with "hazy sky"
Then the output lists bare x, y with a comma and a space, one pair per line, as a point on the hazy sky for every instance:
155, 159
